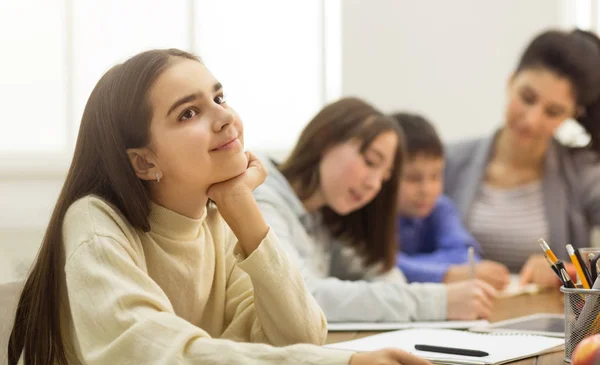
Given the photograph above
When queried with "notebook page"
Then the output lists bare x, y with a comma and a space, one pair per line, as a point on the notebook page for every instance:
513, 289
389, 326
501, 348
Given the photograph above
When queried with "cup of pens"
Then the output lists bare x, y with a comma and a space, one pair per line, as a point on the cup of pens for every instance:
582, 316
582, 301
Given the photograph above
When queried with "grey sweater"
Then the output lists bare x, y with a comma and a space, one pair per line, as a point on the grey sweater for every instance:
335, 274
571, 188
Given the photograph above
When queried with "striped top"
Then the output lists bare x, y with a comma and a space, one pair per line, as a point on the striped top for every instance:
508, 223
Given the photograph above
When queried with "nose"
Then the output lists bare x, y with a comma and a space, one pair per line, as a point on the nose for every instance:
222, 118
373, 181
426, 187
532, 117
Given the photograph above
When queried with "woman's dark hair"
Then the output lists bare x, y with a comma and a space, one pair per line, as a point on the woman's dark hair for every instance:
116, 117
370, 229
574, 55
420, 136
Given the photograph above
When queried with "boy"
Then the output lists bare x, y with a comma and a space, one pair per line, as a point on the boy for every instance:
434, 242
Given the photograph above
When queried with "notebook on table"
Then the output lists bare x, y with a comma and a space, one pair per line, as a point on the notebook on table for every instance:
502, 348
390, 326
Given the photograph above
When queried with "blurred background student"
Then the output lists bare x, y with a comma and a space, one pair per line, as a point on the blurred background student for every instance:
520, 184
332, 204
433, 242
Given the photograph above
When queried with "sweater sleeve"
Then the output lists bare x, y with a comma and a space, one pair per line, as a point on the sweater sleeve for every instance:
360, 300
120, 315
268, 301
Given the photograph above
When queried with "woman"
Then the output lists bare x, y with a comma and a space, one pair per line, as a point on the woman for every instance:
137, 267
332, 205
521, 184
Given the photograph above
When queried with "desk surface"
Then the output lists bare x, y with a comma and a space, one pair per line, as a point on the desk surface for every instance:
505, 308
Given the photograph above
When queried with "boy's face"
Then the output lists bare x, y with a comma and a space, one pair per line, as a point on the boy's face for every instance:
422, 183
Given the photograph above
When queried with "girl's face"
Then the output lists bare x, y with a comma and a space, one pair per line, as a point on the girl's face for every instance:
539, 100
351, 179
196, 138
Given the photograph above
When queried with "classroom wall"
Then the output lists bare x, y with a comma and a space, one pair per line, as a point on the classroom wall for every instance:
447, 59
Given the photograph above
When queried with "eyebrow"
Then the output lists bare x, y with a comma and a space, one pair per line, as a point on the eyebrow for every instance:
186, 99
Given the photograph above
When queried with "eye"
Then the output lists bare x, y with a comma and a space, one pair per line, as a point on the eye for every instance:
369, 162
188, 114
528, 98
553, 113
220, 99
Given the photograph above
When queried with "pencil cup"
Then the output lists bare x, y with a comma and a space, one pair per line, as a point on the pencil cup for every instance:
585, 252
582, 316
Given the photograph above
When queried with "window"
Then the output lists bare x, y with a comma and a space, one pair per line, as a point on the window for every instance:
268, 54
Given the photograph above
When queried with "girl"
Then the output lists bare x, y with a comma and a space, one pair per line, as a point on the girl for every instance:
136, 265
332, 204
521, 177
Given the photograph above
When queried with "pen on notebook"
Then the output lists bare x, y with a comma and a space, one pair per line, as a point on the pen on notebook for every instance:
472, 262
578, 267
547, 251
451, 350
584, 267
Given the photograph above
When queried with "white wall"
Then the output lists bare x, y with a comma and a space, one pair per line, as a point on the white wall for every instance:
447, 59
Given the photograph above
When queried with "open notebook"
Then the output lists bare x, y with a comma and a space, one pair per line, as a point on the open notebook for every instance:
502, 348
390, 326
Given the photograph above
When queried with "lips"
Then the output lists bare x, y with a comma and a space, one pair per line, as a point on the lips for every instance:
229, 143
355, 196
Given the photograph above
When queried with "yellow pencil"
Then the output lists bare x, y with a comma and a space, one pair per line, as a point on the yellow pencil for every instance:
548, 251
578, 267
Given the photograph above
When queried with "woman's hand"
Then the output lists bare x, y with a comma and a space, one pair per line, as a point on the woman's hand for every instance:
537, 271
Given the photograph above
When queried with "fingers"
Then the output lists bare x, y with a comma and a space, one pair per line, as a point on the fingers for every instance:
526, 273
488, 290
501, 277
405, 358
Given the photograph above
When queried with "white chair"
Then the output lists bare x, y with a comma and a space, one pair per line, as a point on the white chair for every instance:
9, 296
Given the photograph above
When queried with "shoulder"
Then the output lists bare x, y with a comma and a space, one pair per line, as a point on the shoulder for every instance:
444, 204
460, 151
90, 217
276, 190
444, 209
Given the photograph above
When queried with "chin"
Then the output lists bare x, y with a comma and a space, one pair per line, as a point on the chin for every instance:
234, 166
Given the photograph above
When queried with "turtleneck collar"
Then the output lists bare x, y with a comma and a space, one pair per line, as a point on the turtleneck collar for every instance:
170, 224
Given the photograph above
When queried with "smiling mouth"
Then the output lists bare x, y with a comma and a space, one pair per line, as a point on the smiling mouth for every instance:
228, 145
355, 196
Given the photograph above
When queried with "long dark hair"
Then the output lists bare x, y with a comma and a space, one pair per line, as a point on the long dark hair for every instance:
574, 55
370, 229
116, 117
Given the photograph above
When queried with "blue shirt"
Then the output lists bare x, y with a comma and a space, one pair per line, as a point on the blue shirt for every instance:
429, 246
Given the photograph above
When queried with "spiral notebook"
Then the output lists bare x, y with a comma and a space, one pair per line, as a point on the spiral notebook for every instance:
502, 348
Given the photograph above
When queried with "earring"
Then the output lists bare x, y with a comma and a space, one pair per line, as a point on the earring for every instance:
157, 178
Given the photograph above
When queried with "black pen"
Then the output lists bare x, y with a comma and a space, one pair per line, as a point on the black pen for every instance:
451, 350
566, 278
584, 267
